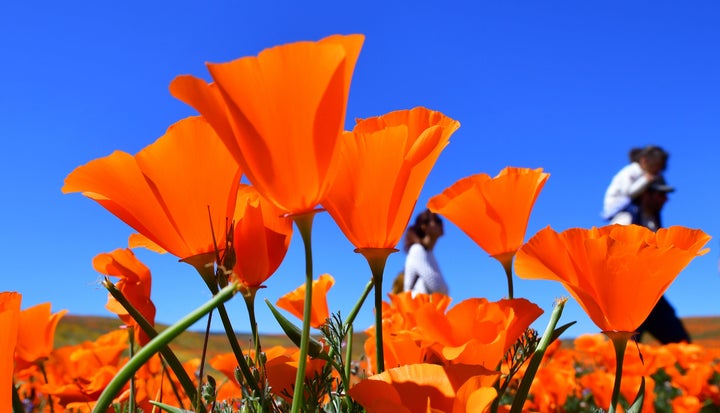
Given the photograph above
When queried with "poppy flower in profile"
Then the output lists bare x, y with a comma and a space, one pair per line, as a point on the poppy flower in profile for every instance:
493, 212
294, 301
172, 192
383, 165
426, 388
280, 114
135, 284
261, 237
617, 273
36, 333
9, 320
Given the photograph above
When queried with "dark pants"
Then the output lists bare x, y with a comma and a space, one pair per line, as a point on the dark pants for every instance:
664, 324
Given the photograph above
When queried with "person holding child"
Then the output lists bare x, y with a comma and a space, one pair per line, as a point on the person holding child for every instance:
637, 194
646, 165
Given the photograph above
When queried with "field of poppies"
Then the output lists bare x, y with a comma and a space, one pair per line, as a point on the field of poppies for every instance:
268, 152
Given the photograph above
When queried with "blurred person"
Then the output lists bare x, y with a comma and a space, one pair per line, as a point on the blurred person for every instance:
621, 197
662, 322
422, 273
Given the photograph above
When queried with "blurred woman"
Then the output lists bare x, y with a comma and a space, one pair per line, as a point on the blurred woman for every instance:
422, 273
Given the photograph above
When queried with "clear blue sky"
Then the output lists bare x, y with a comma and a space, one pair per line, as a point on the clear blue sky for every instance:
566, 86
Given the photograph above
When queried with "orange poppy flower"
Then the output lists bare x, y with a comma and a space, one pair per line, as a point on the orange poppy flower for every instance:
282, 366
261, 237
383, 165
476, 331
617, 273
426, 388
36, 333
171, 191
408, 304
280, 114
135, 284
83, 371
494, 212
9, 320
294, 301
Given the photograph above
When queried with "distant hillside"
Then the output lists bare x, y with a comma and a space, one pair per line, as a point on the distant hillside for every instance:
74, 329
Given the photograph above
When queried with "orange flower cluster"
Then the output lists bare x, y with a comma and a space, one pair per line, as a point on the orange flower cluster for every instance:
72, 377
679, 377
280, 367
421, 329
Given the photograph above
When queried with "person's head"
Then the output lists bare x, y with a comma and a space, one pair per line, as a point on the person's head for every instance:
426, 229
653, 159
634, 154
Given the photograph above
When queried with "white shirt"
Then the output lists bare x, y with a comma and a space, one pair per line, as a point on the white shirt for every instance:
422, 273
627, 184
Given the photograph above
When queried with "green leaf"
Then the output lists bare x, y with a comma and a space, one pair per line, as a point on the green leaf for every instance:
558, 331
294, 333
171, 409
636, 407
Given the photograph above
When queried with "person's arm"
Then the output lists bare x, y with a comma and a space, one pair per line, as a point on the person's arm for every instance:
411, 273
638, 186
415, 269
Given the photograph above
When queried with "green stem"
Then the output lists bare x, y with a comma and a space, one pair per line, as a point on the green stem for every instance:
198, 402
17, 406
156, 344
547, 338
170, 357
207, 274
619, 340
356, 309
506, 260
348, 362
131, 343
304, 225
41, 365
249, 295
376, 258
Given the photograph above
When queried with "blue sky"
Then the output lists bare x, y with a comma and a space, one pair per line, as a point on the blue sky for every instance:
566, 86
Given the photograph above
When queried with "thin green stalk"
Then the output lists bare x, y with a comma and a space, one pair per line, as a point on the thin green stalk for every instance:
41, 365
506, 260
249, 296
304, 225
199, 402
171, 359
131, 343
377, 258
547, 338
348, 351
207, 273
619, 340
348, 362
17, 406
156, 344
356, 309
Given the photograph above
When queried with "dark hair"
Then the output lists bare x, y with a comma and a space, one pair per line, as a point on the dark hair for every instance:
415, 232
635, 154
655, 155
651, 152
